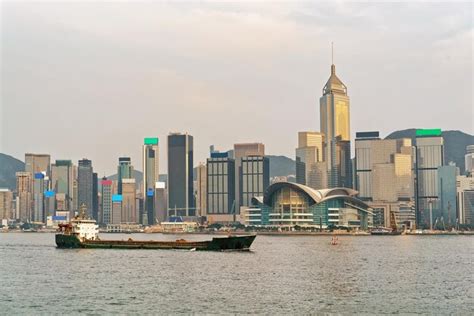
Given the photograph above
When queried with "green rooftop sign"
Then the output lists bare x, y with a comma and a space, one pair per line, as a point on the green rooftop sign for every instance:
428, 132
151, 141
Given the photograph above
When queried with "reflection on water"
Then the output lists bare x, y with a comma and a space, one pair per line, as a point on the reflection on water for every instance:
304, 274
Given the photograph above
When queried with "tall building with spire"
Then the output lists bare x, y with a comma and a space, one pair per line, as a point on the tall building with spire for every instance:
335, 125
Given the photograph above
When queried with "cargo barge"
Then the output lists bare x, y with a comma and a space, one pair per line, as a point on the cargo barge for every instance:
84, 233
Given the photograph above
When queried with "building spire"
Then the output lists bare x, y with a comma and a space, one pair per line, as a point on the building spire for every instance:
333, 68
332, 53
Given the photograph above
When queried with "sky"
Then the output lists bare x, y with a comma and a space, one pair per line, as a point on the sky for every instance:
91, 79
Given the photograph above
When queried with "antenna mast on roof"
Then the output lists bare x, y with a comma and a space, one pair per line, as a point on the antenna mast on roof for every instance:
332, 53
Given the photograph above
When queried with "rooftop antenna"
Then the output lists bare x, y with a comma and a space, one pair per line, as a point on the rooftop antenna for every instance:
332, 53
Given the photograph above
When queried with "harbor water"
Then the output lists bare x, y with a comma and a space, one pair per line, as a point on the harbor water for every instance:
281, 275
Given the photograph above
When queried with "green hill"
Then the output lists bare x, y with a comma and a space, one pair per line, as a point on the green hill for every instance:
281, 166
455, 143
8, 167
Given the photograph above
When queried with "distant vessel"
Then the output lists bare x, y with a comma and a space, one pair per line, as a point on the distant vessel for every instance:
82, 232
385, 231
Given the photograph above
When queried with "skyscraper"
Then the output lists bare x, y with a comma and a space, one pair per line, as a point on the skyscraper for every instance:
201, 189
129, 210
447, 195
465, 199
38, 197
85, 183
469, 160
24, 192
124, 171
6, 200
220, 185
429, 155
35, 163
310, 166
49, 203
106, 206
180, 175
95, 196
116, 217
335, 125
151, 173
383, 170
254, 178
244, 150
62, 182
161, 202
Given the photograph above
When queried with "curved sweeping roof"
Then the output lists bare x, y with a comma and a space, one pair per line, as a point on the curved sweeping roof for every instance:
316, 196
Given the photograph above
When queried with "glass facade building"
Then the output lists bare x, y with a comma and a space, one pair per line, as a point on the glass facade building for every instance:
290, 204
180, 175
240, 151
62, 182
429, 155
309, 158
465, 199
254, 178
220, 184
85, 183
151, 174
39, 186
335, 125
383, 168
124, 171
447, 195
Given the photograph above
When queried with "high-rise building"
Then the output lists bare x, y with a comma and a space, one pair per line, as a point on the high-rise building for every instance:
6, 204
254, 178
106, 206
129, 209
85, 185
383, 177
116, 217
151, 174
335, 125
469, 160
24, 192
124, 171
36, 163
201, 189
220, 185
310, 166
465, 200
383, 168
62, 182
447, 195
161, 203
49, 203
180, 175
39, 188
429, 155
244, 150
95, 196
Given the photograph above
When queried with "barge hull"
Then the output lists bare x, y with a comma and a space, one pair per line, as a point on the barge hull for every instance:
234, 243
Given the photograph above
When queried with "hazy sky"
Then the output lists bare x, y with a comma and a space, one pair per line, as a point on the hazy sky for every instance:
91, 79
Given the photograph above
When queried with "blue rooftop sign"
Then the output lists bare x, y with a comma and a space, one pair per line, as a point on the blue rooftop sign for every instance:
49, 193
117, 198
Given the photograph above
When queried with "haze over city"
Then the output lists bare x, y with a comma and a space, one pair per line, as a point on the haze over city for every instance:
93, 78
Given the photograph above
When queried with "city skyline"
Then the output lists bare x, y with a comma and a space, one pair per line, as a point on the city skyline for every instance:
271, 87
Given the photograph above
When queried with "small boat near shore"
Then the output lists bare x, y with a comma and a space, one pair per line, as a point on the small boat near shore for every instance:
82, 232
